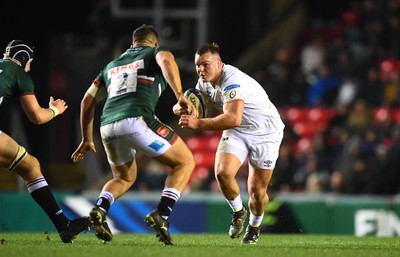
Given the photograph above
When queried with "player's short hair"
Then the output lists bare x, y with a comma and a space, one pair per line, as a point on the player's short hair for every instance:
213, 48
144, 32
19, 50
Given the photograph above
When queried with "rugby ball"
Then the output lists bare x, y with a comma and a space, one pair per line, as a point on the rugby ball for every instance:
199, 101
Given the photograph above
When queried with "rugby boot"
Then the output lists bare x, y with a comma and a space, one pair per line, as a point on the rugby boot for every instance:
161, 226
100, 225
237, 223
73, 229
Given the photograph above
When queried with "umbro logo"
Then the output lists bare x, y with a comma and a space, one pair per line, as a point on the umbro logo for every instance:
268, 163
224, 138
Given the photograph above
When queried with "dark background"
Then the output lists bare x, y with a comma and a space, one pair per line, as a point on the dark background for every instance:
234, 24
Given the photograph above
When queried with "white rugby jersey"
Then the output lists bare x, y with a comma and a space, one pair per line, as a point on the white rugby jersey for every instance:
259, 112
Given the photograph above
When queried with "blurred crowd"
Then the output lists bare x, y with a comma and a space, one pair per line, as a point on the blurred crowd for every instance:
356, 153
350, 67
336, 62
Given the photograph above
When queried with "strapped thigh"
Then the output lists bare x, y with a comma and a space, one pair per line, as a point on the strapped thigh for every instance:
18, 158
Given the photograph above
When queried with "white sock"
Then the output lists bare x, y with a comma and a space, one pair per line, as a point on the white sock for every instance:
236, 204
255, 221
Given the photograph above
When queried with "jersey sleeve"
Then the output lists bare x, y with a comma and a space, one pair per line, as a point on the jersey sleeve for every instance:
159, 49
24, 84
99, 80
232, 92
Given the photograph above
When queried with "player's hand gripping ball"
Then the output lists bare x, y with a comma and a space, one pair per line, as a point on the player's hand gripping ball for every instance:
199, 101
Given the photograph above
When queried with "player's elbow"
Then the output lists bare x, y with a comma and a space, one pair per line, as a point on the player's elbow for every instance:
165, 60
236, 122
88, 103
166, 64
36, 119
87, 100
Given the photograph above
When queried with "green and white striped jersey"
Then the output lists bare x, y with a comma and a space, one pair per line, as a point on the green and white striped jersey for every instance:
134, 84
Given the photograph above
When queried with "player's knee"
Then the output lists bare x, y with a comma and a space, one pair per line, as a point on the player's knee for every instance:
190, 162
34, 163
129, 179
223, 177
31, 167
186, 161
258, 194
26, 166
124, 176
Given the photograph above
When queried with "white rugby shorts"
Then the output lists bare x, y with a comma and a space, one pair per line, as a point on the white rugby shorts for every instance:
262, 150
121, 140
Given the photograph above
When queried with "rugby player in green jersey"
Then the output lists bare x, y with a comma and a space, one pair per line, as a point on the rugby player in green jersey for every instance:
15, 82
132, 85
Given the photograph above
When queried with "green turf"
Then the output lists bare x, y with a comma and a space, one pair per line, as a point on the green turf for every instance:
193, 245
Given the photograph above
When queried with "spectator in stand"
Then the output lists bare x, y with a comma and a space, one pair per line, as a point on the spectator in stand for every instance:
323, 91
339, 57
312, 57
361, 176
311, 176
322, 150
278, 78
372, 17
392, 89
336, 132
282, 181
336, 182
389, 179
339, 118
370, 142
360, 118
340, 177
357, 168
298, 89
393, 30
371, 87
383, 126
348, 89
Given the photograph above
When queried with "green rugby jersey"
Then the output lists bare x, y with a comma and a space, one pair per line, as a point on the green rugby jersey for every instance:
14, 81
134, 84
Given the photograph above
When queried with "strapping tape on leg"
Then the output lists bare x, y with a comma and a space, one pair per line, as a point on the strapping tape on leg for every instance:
18, 158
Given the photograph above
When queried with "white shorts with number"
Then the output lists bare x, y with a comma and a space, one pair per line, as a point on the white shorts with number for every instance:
121, 139
262, 150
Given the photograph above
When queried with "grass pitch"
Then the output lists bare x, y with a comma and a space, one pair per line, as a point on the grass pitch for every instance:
197, 245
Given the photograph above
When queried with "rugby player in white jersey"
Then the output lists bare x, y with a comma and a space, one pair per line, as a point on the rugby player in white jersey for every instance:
252, 129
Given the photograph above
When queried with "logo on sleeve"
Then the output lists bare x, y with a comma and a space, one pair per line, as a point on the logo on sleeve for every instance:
232, 92
268, 163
